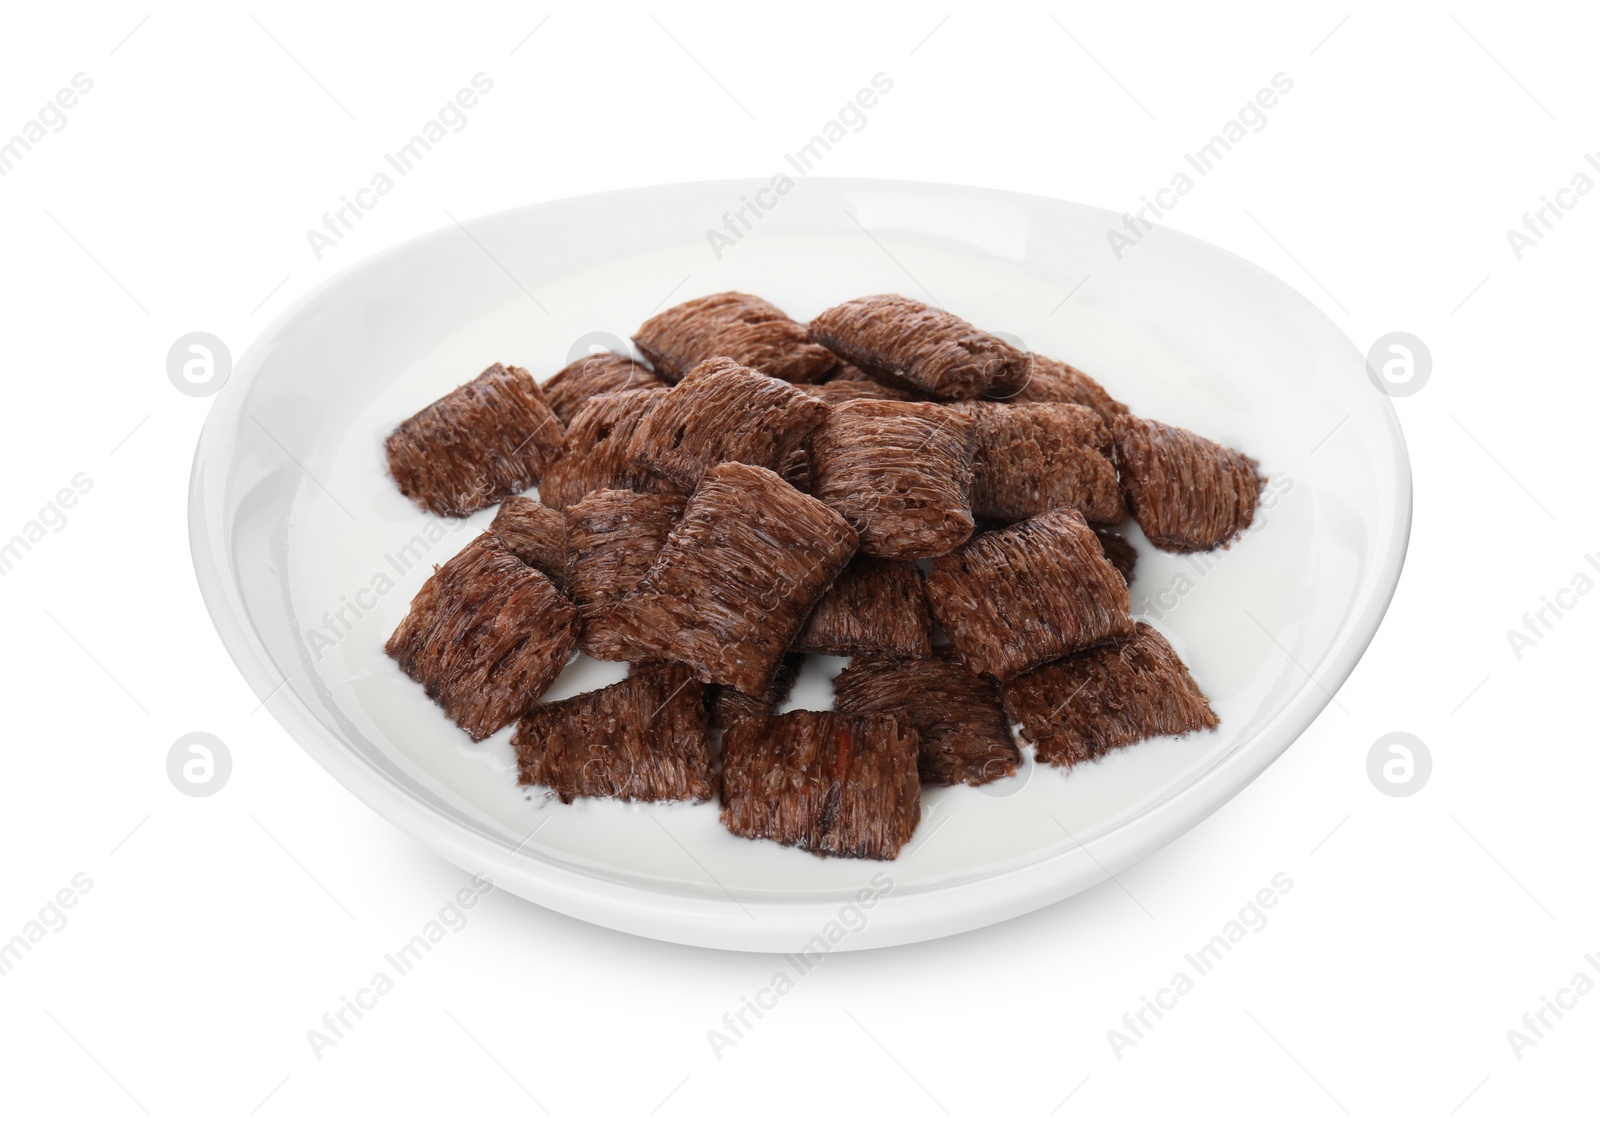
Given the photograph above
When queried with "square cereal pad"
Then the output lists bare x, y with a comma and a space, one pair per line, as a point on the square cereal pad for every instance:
746, 328
1012, 599
595, 457
963, 732
1076, 709
613, 538
643, 739
491, 438
486, 635
737, 578
876, 607
724, 412
901, 472
832, 785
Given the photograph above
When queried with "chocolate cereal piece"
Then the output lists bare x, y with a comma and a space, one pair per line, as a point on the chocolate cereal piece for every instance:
536, 534
737, 578
916, 346
594, 376
728, 705
1119, 552
493, 437
963, 732
643, 739
486, 635
596, 456
901, 473
1076, 709
613, 537
1032, 458
1012, 599
876, 608
724, 412
833, 785
1055, 382
1186, 492
748, 329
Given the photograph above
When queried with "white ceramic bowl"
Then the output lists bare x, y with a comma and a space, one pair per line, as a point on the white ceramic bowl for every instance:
307, 555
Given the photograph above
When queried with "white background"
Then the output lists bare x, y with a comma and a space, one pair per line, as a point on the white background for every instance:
219, 930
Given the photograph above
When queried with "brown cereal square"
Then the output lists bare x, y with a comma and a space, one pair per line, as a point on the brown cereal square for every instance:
486, 635
1012, 599
748, 329
1186, 492
594, 376
1076, 709
643, 739
613, 538
832, 785
917, 346
724, 412
493, 437
963, 732
875, 607
596, 455
1031, 458
737, 578
901, 473
1055, 382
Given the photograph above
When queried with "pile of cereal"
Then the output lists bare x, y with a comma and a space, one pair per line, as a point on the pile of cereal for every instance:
888, 484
